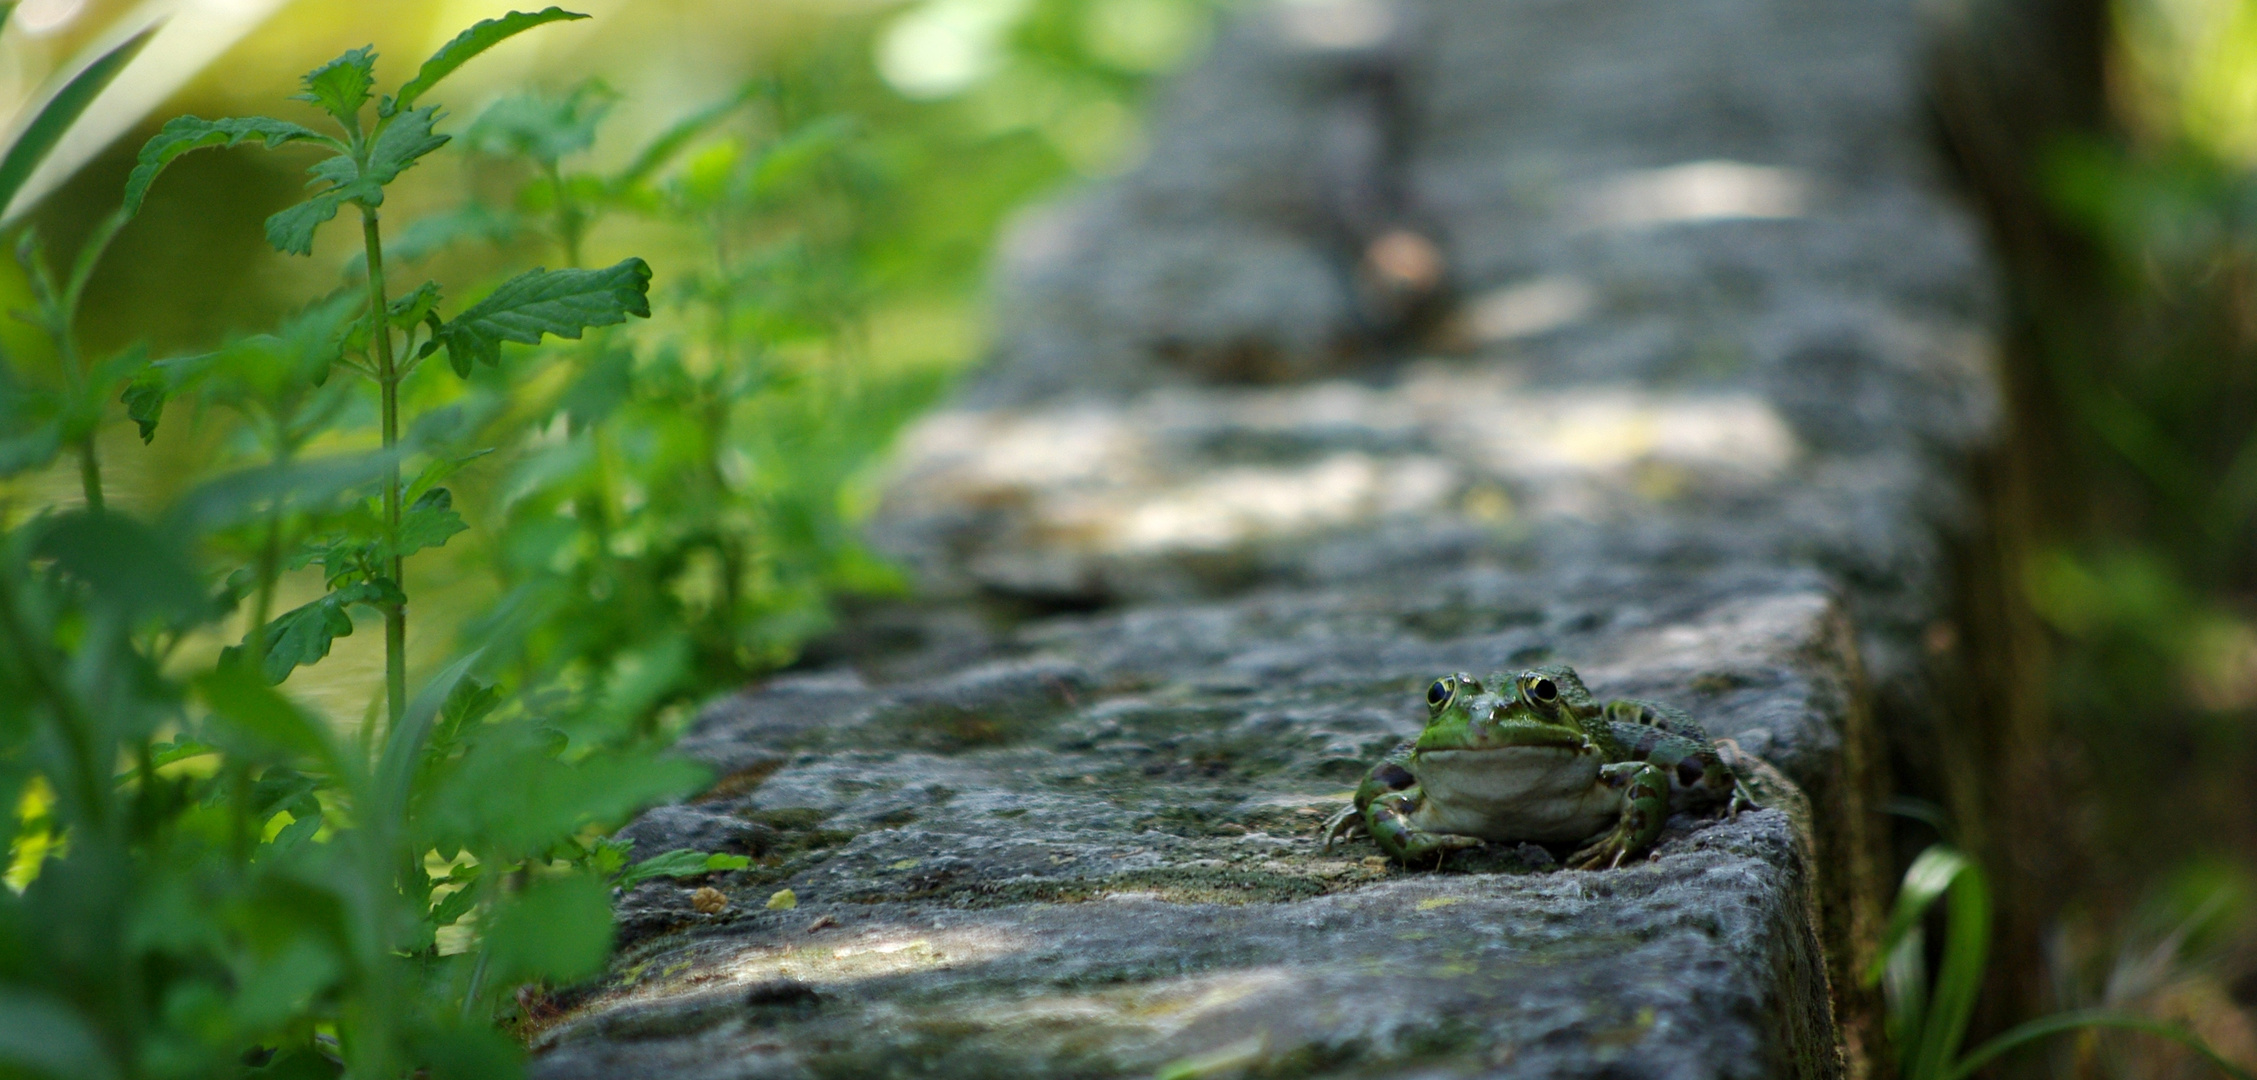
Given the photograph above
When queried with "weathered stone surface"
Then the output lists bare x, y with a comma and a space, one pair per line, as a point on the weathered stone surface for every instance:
1100, 856
1230, 496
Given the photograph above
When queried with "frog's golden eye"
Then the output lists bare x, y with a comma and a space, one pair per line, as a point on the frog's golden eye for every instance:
1439, 694
1544, 690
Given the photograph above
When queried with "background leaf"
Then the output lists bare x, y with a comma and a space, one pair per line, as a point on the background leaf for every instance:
538, 302
558, 929
127, 565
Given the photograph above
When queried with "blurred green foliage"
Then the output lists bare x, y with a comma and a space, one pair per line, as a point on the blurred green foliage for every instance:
2113, 143
1927, 1016
2148, 575
630, 486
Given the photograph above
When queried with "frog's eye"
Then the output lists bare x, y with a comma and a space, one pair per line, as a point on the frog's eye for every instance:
1440, 693
1544, 690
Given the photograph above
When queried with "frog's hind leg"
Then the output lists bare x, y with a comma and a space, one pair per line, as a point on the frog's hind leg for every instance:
1656, 715
1645, 808
1389, 819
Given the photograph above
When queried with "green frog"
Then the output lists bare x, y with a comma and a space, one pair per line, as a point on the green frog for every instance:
1534, 757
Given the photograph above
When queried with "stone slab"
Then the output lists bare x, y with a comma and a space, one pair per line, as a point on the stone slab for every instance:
1097, 854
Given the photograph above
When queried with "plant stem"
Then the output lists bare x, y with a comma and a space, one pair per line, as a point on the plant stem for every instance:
571, 220
90, 473
388, 381
62, 318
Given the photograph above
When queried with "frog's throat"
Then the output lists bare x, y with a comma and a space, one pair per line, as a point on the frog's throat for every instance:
1541, 793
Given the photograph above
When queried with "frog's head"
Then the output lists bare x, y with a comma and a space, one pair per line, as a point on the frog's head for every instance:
1539, 707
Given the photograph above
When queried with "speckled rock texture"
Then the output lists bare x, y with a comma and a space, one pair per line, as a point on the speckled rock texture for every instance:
1434, 335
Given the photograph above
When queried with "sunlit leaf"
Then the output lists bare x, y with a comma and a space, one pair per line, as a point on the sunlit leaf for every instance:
679, 864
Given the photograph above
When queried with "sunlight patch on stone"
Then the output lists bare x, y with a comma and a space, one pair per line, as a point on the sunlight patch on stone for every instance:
1695, 192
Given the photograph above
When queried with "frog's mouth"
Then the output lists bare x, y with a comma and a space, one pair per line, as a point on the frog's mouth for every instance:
1521, 739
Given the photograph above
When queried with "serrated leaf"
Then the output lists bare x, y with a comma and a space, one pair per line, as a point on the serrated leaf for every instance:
546, 302
186, 133
457, 903
291, 230
340, 87
406, 138
406, 311
281, 788
144, 400
428, 523
60, 112
303, 635
483, 35
150, 388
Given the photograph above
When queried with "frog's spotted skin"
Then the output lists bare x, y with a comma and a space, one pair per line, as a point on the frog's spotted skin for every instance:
1533, 757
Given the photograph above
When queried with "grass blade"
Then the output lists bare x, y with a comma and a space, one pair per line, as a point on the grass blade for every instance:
2056, 1024
1967, 938
61, 111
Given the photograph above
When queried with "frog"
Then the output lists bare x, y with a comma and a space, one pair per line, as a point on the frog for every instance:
1532, 756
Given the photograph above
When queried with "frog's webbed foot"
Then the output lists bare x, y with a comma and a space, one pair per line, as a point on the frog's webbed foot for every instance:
1645, 808
1343, 825
1743, 766
1389, 820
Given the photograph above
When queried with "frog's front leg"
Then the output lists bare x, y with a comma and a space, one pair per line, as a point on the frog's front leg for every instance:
1645, 808
1391, 774
1389, 819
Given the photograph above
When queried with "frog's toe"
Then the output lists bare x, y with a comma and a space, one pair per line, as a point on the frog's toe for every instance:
1604, 855
1342, 825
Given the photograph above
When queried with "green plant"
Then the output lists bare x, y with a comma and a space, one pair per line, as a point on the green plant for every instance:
697, 487
219, 882
36, 424
1927, 1018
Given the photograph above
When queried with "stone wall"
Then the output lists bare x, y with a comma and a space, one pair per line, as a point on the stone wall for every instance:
1432, 336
